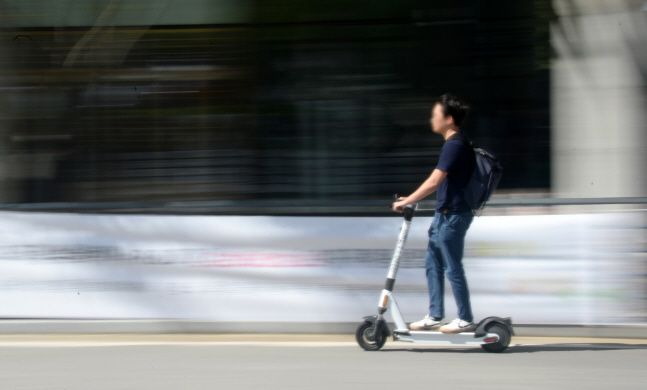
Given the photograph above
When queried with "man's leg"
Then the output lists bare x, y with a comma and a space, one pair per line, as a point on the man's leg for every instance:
435, 283
435, 271
451, 244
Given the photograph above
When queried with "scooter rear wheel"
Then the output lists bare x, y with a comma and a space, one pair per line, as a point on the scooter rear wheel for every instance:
504, 338
364, 339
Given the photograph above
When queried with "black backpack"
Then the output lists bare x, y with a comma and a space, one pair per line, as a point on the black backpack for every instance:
484, 180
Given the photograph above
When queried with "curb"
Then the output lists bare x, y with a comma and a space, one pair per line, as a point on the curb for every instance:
90, 326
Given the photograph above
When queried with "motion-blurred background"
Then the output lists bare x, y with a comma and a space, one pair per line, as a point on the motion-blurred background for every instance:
235, 160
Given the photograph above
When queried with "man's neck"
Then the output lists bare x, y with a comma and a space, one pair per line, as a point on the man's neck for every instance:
449, 133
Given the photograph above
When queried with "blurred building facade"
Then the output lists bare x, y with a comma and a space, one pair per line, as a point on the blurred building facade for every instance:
599, 98
321, 101
242, 106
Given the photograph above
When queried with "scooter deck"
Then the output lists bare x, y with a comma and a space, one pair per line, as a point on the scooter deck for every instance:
440, 338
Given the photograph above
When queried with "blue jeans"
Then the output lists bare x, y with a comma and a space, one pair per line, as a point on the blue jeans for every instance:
445, 254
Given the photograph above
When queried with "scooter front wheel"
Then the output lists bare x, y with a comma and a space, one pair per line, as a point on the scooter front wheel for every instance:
365, 339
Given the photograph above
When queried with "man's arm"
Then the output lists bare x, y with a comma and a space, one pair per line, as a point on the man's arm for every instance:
426, 188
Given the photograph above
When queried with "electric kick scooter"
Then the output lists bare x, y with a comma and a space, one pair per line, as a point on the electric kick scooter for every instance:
493, 334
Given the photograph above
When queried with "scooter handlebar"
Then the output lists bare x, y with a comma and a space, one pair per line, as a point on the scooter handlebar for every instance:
408, 212
408, 209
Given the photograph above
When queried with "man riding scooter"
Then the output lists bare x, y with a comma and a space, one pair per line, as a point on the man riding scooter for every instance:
452, 218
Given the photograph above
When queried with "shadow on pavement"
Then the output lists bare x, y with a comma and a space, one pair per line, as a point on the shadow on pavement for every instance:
530, 348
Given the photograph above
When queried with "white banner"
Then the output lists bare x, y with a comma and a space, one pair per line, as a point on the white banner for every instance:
570, 268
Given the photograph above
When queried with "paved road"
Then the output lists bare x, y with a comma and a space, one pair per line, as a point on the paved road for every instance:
311, 362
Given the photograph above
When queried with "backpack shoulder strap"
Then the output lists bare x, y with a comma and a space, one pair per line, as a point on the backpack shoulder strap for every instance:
467, 140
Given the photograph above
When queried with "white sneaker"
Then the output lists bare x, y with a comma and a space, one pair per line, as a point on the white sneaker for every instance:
457, 326
427, 323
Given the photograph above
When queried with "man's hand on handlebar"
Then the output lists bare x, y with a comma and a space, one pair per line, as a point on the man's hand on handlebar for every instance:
398, 205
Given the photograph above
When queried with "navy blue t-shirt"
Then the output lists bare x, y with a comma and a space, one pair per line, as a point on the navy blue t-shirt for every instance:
458, 160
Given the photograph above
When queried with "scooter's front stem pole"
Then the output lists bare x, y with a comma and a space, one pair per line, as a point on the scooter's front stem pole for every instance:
395, 259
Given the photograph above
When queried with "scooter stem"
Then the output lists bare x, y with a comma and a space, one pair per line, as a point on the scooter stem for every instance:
402, 238
395, 259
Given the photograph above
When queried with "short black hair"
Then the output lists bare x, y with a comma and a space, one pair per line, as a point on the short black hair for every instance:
454, 106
